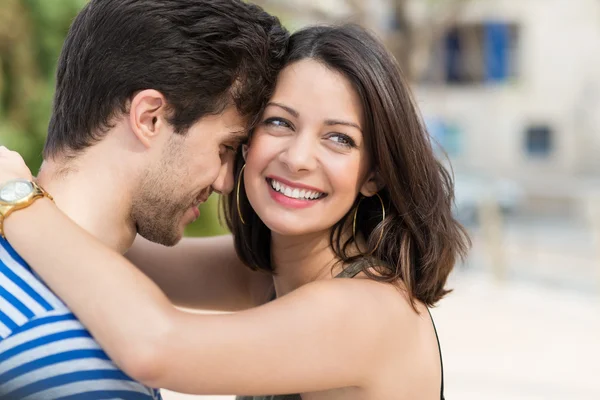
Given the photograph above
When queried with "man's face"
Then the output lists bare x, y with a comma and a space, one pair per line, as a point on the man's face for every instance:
191, 166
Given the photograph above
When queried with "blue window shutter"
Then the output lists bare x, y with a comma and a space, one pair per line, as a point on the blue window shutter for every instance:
454, 54
497, 51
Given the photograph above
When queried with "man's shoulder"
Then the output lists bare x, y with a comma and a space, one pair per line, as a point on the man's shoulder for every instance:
7, 248
54, 356
23, 296
45, 351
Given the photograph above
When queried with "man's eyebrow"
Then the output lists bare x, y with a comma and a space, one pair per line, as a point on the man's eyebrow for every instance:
237, 135
286, 108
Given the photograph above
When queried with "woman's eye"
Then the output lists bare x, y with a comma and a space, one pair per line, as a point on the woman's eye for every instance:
342, 139
278, 122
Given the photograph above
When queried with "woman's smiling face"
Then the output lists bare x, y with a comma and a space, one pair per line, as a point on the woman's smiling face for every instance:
307, 160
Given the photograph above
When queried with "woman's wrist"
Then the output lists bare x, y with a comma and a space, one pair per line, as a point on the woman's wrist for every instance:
24, 222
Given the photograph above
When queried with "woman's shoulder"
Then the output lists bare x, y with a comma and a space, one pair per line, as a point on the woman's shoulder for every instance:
401, 331
364, 301
379, 318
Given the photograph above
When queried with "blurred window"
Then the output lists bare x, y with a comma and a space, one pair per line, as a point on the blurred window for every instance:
475, 54
446, 136
538, 140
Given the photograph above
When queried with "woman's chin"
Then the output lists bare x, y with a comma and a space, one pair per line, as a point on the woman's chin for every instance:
295, 223
281, 230
293, 228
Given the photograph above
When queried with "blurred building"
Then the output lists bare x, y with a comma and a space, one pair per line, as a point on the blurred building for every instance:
298, 13
509, 88
512, 90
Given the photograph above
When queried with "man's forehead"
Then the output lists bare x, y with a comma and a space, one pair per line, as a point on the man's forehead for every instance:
233, 120
236, 126
239, 135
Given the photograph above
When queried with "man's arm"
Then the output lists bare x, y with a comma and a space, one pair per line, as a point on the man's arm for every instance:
202, 273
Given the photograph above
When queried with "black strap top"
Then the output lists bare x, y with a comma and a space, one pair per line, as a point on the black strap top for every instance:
349, 272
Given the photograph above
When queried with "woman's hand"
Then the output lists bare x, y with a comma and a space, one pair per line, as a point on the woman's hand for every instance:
12, 166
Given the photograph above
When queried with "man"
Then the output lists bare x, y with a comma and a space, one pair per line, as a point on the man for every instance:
152, 100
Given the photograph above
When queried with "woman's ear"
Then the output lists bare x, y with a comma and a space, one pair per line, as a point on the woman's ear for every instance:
372, 185
147, 113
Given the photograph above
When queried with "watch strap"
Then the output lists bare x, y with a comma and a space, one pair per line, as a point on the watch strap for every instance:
38, 193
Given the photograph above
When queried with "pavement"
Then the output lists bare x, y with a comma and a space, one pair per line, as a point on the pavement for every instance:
519, 340
513, 340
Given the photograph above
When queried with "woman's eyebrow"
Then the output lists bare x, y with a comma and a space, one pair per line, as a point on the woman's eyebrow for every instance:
341, 122
286, 108
327, 122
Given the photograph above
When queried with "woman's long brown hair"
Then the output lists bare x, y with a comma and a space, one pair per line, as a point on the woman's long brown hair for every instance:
421, 240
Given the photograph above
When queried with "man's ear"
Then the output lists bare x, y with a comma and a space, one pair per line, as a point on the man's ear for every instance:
147, 115
372, 185
244, 151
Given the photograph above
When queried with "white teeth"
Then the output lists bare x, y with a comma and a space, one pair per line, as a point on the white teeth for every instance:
302, 194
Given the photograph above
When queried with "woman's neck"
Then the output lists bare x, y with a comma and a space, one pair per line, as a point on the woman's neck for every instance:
299, 260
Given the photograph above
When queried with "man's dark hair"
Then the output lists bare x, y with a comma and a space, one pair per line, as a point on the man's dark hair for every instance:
200, 54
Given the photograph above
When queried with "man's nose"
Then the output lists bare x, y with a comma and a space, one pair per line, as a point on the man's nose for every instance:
225, 180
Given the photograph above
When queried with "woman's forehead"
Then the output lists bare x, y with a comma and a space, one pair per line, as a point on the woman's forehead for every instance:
313, 87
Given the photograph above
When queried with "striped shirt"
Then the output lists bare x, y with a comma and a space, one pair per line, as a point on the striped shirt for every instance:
45, 352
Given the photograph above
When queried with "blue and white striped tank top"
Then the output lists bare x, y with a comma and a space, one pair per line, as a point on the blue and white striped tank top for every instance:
45, 352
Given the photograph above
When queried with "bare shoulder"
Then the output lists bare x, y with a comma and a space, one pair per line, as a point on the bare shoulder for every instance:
377, 309
399, 338
364, 292
371, 325
362, 304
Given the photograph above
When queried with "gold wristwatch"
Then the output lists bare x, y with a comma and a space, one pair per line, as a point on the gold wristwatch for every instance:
17, 194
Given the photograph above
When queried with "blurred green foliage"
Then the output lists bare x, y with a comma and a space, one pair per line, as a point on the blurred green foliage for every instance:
31, 37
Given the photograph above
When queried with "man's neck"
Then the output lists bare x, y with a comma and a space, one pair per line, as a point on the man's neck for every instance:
95, 196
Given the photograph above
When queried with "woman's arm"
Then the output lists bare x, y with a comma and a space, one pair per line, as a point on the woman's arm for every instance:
202, 273
324, 335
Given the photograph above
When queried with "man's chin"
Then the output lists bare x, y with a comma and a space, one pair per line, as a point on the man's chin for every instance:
168, 239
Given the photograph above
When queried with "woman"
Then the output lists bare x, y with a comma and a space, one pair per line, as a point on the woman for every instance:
339, 180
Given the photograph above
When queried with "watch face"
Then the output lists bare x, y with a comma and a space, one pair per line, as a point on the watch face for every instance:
15, 190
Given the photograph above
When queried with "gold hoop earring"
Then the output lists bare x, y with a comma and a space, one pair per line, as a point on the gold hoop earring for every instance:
237, 194
382, 219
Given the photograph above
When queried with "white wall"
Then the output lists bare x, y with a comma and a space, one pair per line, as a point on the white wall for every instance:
558, 82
